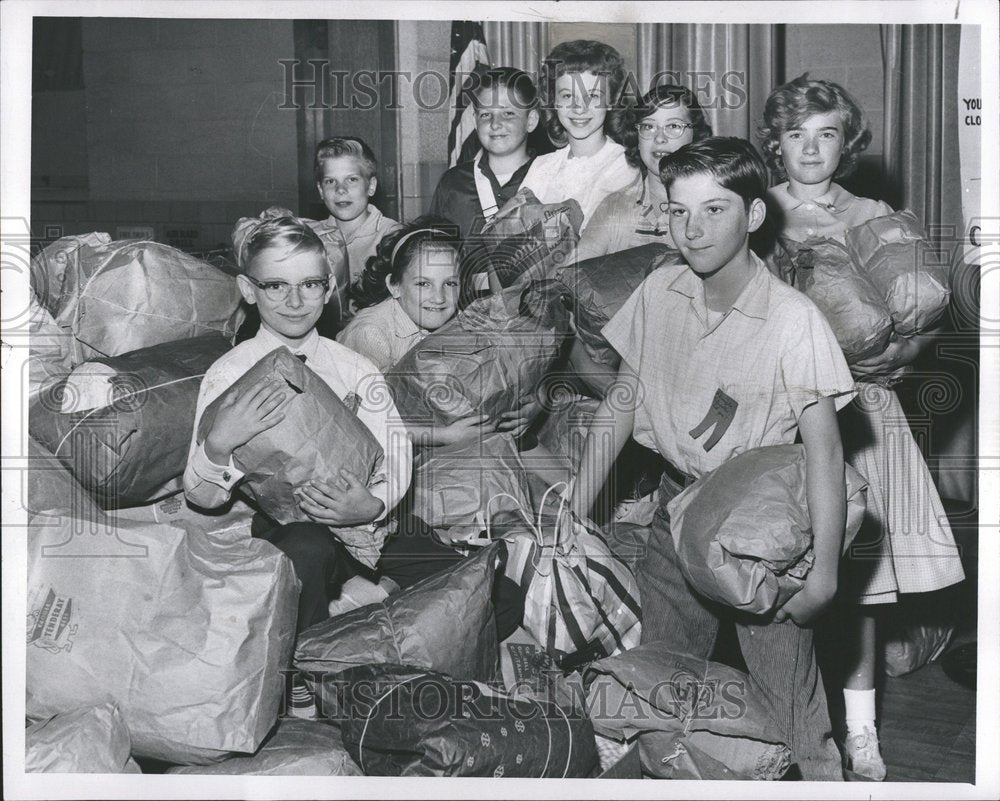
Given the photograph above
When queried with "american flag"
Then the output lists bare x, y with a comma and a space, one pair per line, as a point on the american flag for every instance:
468, 51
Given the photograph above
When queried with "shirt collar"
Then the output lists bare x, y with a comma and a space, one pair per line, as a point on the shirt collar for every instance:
370, 225
402, 326
752, 301
307, 347
482, 162
835, 200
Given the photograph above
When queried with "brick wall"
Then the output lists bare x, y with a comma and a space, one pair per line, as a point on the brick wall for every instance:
181, 127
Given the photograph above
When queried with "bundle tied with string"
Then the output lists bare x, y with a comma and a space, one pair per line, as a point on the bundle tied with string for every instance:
406, 721
693, 718
122, 425
112, 298
485, 360
581, 603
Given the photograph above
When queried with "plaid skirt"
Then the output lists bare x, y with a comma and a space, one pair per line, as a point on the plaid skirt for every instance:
906, 544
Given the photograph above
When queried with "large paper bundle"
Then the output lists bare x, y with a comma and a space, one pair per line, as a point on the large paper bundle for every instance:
58, 259
444, 623
695, 719
117, 297
528, 239
295, 747
743, 533
485, 360
453, 485
90, 739
123, 425
50, 356
901, 264
402, 721
854, 308
187, 633
600, 286
318, 437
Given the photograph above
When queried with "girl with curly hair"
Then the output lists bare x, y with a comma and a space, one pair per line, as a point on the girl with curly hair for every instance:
586, 117
814, 132
667, 118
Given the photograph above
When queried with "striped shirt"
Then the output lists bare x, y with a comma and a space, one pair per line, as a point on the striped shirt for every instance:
382, 333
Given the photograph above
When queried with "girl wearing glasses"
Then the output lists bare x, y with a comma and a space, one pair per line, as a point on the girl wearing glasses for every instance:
666, 118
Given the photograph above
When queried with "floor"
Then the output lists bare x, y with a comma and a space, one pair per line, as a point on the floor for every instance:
928, 728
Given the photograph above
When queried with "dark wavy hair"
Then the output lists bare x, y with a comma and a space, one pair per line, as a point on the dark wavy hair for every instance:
584, 55
424, 232
666, 94
503, 77
790, 105
733, 162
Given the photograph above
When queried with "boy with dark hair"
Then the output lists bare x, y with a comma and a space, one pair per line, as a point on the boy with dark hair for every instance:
506, 107
718, 357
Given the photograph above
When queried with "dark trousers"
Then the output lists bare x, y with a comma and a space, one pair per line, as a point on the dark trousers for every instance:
780, 657
322, 565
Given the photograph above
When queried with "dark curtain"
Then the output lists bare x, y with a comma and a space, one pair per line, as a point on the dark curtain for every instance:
922, 172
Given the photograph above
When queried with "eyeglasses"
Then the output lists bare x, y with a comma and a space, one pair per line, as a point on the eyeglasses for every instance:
310, 289
671, 130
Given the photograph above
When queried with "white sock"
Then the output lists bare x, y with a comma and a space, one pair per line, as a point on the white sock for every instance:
859, 709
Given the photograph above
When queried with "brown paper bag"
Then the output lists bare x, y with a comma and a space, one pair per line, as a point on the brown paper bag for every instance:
527, 239
600, 286
485, 360
743, 533
696, 719
854, 308
187, 633
91, 739
295, 747
452, 487
319, 436
444, 622
57, 260
912, 278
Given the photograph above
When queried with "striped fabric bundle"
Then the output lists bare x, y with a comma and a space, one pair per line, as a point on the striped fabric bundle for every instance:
581, 603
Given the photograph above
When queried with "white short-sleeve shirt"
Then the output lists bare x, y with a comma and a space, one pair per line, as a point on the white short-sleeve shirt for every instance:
712, 386
556, 176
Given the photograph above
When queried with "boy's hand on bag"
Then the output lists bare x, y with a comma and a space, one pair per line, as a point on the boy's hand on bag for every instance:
809, 602
516, 422
344, 502
243, 416
465, 429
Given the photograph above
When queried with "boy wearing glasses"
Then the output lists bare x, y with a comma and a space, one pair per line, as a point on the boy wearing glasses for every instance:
287, 277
